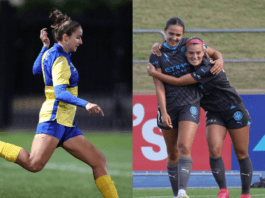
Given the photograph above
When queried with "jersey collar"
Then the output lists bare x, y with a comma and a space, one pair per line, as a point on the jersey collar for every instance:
60, 49
171, 48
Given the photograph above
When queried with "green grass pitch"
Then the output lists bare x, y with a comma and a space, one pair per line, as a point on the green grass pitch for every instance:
64, 176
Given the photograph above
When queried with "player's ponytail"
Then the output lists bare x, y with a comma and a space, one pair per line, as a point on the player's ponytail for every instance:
62, 25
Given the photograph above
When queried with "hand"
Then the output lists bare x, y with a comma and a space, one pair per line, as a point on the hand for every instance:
44, 38
218, 66
94, 109
166, 121
156, 49
151, 69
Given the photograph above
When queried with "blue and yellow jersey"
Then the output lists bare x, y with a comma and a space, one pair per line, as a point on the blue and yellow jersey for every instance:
57, 70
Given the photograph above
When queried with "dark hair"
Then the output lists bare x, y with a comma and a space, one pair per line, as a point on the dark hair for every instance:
175, 21
62, 25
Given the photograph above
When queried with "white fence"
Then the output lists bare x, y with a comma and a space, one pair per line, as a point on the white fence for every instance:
152, 31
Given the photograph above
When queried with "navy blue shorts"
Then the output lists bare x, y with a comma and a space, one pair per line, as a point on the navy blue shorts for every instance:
59, 131
181, 113
235, 118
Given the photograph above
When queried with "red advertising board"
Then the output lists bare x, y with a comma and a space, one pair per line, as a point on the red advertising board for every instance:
149, 149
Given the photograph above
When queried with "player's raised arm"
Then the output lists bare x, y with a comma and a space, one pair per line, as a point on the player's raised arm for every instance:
36, 70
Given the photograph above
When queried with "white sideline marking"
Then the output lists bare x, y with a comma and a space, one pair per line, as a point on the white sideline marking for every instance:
209, 196
72, 167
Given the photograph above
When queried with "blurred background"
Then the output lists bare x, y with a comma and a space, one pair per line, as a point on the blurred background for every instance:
103, 61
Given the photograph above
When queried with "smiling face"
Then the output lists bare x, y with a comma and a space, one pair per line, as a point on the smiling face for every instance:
174, 34
194, 54
74, 40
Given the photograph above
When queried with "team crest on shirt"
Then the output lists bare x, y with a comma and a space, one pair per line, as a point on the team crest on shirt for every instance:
238, 116
183, 49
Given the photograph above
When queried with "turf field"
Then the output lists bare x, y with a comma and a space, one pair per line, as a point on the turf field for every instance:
203, 193
223, 14
64, 176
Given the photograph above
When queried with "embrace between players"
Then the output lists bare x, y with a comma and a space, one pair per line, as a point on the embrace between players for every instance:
186, 80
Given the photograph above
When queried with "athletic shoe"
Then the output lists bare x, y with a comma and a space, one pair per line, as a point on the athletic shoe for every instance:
223, 193
245, 196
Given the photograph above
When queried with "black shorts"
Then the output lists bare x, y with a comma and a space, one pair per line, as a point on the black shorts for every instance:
181, 113
235, 118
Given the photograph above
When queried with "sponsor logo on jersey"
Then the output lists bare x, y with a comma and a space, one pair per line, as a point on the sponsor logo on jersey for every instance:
176, 67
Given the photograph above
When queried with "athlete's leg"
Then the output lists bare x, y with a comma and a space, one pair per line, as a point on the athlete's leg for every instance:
215, 135
43, 146
186, 134
83, 150
171, 138
240, 139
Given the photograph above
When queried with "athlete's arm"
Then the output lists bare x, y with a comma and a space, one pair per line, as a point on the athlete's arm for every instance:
156, 49
161, 97
36, 70
183, 80
63, 95
218, 60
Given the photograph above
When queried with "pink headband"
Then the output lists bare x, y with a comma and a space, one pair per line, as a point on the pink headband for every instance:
194, 41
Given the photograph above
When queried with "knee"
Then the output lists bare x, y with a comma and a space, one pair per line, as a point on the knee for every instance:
215, 151
35, 167
100, 162
172, 156
241, 154
184, 149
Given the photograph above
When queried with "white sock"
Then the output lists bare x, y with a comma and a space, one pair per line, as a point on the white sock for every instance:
182, 192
